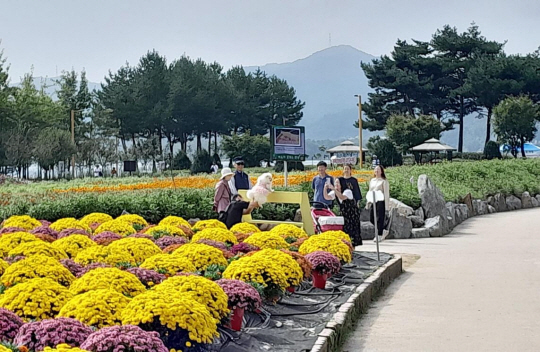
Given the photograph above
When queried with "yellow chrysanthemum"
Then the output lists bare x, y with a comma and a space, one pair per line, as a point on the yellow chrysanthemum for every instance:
257, 269
9, 241
172, 310
328, 244
134, 220
63, 347
201, 255
108, 278
3, 266
100, 254
206, 224
215, 234
122, 228
22, 221
175, 221
244, 228
291, 268
201, 289
165, 230
95, 218
69, 223
4, 349
37, 266
37, 247
340, 235
138, 248
97, 308
73, 244
168, 264
36, 299
289, 231
267, 239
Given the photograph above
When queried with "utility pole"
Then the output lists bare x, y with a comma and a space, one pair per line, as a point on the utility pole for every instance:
73, 141
361, 156
285, 166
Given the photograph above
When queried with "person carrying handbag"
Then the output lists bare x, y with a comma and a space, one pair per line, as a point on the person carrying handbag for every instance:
222, 195
379, 183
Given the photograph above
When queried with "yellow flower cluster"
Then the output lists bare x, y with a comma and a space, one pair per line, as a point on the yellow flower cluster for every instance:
37, 266
205, 224
28, 249
3, 266
22, 221
340, 235
288, 230
133, 219
175, 221
100, 254
201, 255
95, 218
168, 264
36, 299
215, 234
267, 239
290, 267
139, 249
73, 244
69, 223
9, 241
63, 347
4, 349
165, 230
257, 269
328, 244
244, 228
108, 278
97, 308
121, 228
173, 311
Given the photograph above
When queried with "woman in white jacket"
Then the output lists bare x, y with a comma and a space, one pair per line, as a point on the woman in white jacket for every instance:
379, 183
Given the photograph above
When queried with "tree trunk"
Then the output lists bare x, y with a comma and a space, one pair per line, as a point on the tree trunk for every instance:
199, 142
160, 141
124, 145
488, 125
210, 142
461, 118
215, 142
522, 142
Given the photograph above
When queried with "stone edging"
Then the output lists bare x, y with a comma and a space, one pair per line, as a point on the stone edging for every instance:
333, 335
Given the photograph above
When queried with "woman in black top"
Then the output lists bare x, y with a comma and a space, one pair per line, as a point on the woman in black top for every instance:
349, 182
349, 211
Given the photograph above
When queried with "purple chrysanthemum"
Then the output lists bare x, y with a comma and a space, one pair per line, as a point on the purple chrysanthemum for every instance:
11, 230
106, 238
240, 294
51, 332
46, 230
148, 277
124, 338
75, 268
166, 241
214, 244
69, 232
243, 248
10, 324
324, 262
12, 260
45, 222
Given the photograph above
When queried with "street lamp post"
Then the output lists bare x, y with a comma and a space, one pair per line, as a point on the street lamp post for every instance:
361, 156
73, 141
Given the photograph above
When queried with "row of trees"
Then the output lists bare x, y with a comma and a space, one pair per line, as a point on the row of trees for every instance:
449, 77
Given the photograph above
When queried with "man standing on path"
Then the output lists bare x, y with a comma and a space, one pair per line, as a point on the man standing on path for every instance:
318, 184
240, 179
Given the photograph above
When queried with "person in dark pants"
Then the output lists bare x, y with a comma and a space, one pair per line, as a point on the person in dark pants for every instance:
379, 183
347, 181
349, 211
318, 184
237, 208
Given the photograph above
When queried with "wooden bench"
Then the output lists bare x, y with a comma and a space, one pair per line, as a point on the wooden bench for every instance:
300, 198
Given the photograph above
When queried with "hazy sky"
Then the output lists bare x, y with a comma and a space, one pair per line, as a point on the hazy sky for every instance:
99, 35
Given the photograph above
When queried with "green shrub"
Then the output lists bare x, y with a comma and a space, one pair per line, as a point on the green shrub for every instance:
385, 150
492, 151
291, 166
201, 163
181, 161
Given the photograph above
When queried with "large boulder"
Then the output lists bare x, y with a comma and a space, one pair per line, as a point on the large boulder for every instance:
368, 230
462, 213
538, 198
400, 225
401, 207
513, 202
451, 215
417, 221
491, 209
433, 202
535, 202
420, 233
526, 201
498, 202
420, 213
434, 226
468, 200
480, 207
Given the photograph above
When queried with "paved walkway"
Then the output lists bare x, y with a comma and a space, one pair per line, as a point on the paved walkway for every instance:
477, 289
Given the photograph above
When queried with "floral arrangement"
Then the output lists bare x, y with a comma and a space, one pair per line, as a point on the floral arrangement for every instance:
134, 220
240, 294
11, 230
73, 244
10, 241
37, 266
12, 260
168, 264
179, 319
166, 241
3, 266
340, 235
45, 238
122, 228
69, 232
302, 261
201, 255
64, 347
51, 332
106, 238
95, 218
139, 249
108, 278
328, 244
46, 230
101, 254
243, 248
241, 237
74, 268
288, 265
92, 266
200, 289
148, 277
215, 234
22, 221
289, 231
10, 324
69, 223
124, 338
171, 248
244, 228
97, 308
206, 224
36, 299
164, 230
216, 244
267, 240
174, 221
324, 262
28, 249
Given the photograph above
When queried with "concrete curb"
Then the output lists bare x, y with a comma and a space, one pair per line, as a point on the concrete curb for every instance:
333, 336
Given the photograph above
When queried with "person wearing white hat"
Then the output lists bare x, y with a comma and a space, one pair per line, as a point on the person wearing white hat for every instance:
222, 195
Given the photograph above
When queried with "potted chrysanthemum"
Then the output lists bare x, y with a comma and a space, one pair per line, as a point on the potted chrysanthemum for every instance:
324, 265
242, 296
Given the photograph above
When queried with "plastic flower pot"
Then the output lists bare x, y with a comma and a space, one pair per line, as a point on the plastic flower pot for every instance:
291, 289
319, 279
237, 318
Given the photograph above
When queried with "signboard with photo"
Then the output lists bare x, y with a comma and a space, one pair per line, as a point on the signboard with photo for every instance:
288, 143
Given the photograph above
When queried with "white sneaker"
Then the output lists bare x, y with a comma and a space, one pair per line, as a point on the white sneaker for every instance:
380, 239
